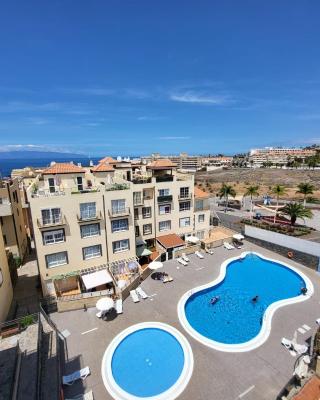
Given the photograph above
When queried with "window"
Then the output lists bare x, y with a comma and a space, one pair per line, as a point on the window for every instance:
146, 212
79, 183
52, 187
118, 206
51, 237
165, 209
147, 229
120, 245
56, 259
184, 206
88, 210
199, 205
200, 234
164, 192
89, 230
51, 216
137, 198
184, 222
120, 225
164, 226
91, 252
137, 231
136, 213
147, 194
184, 192
201, 218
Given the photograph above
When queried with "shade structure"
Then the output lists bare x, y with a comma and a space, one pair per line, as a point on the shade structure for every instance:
238, 236
105, 304
192, 239
97, 278
143, 252
155, 265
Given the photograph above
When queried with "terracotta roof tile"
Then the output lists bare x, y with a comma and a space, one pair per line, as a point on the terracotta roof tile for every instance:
310, 391
108, 160
102, 168
171, 240
200, 194
63, 168
163, 163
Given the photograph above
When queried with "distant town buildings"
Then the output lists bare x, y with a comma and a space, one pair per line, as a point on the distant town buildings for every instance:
278, 156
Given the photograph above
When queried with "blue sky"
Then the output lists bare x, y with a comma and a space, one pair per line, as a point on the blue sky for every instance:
134, 77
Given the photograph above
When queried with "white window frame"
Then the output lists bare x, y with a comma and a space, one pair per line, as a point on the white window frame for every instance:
182, 206
96, 252
88, 210
137, 198
166, 225
164, 192
57, 263
53, 217
57, 237
184, 192
202, 217
124, 245
163, 208
118, 206
144, 229
183, 222
92, 232
121, 225
147, 214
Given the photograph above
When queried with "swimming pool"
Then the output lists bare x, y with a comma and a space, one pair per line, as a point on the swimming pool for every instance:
235, 322
147, 361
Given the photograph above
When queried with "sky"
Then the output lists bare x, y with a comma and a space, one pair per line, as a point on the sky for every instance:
133, 77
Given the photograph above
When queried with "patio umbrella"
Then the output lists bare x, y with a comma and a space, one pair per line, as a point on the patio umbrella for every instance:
192, 239
143, 252
155, 265
121, 283
105, 304
238, 236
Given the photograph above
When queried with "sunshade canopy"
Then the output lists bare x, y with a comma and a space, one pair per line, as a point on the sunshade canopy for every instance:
105, 304
192, 239
143, 252
97, 278
238, 236
155, 265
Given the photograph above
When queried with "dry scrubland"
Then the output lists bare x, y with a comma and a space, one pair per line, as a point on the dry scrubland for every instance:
266, 178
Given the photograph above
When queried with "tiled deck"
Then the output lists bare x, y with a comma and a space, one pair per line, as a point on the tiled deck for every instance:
217, 375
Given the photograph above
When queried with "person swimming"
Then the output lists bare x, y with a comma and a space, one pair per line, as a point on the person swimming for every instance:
255, 299
304, 290
214, 299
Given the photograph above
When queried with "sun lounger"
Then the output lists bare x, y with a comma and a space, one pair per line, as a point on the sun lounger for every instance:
167, 279
80, 374
134, 296
141, 293
184, 257
198, 254
85, 396
301, 369
300, 348
119, 306
181, 261
228, 246
99, 314
210, 251
288, 345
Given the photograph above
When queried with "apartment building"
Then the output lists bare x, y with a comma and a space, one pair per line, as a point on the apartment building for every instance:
5, 282
13, 217
183, 161
86, 218
280, 156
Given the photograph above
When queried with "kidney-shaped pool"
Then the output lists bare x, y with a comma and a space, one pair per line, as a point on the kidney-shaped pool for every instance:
234, 312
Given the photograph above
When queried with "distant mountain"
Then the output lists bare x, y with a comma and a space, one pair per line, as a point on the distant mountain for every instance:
35, 155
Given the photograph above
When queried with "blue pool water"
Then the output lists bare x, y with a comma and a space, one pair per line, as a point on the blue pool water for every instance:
234, 319
147, 362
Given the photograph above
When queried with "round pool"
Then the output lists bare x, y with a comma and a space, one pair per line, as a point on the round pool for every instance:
150, 360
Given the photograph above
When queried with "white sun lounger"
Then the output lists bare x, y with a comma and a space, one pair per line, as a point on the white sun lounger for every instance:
119, 306
134, 296
301, 370
80, 374
294, 347
85, 396
184, 257
181, 261
228, 246
198, 254
210, 251
141, 293
99, 314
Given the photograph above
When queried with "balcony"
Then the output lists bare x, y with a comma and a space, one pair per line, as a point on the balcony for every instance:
5, 209
51, 222
141, 180
203, 208
117, 186
86, 218
116, 213
164, 178
186, 196
165, 199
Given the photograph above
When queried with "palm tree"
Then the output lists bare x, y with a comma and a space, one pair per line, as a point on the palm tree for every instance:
305, 188
278, 190
251, 191
296, 210
226, 191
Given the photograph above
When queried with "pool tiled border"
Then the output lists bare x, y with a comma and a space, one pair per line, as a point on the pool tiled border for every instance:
174, 391
266, 324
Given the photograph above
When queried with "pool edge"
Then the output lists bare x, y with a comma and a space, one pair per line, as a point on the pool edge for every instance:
267, 320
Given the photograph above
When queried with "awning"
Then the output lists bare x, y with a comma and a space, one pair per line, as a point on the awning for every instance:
170, 241
95, 279
140, 242
143, 252
192, 239
238, 236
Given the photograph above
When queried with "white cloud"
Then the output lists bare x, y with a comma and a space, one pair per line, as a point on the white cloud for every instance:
309, 117
194, 97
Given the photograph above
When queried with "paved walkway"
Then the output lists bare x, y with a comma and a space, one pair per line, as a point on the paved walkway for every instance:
256, 375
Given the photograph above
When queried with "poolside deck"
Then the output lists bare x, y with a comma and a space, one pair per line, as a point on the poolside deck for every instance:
254, 375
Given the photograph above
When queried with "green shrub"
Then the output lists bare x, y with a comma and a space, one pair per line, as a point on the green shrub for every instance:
27, 320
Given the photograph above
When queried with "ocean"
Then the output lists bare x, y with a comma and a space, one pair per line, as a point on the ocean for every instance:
7, 165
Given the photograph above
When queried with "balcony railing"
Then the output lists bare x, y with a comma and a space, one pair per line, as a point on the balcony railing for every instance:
117, 186
185, 196
5, 209
203, 208
48, 222
164, 178
141, 180
114, 213
165, 199
90, 217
